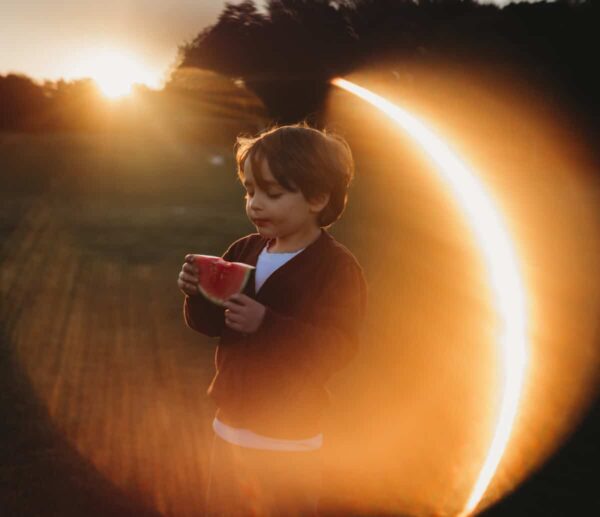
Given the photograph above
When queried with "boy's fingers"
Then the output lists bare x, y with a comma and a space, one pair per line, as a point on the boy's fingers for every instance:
237, 298
190, 286
189, 258
188, 268
190, 290
233, 317
231, 308
185, 277
235, 325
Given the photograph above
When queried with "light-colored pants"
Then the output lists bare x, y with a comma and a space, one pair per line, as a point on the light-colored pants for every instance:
245, 481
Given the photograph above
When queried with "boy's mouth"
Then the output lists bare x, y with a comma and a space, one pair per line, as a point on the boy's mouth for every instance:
260, 222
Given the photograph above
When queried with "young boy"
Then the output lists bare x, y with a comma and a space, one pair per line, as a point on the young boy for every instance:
296, 323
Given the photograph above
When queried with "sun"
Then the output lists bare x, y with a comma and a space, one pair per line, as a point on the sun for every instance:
115, 72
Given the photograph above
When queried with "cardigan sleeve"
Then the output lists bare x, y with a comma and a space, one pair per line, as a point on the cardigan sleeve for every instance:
331, 339
201, 314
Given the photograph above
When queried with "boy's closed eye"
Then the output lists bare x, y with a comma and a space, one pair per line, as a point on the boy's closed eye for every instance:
248, 195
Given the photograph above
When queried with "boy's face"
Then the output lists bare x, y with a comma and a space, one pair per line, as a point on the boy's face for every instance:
277, 212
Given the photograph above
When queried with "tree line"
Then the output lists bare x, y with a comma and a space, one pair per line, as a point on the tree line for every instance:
286, 52
294, 46
76, 105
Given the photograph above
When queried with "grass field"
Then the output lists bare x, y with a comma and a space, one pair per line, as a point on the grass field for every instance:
93, 231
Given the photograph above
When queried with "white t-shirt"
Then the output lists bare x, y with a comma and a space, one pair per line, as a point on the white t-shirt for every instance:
266, 264
269, 262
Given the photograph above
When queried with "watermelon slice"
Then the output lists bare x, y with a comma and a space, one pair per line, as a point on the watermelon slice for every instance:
219, 279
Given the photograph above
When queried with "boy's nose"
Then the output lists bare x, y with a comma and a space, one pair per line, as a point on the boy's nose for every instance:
255, 205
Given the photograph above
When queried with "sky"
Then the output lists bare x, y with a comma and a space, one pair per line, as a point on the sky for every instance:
50, 40
71, 38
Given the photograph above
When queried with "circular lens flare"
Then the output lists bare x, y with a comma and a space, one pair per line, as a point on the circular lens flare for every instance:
500, 261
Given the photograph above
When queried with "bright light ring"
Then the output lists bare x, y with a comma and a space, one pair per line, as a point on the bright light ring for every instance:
500, 261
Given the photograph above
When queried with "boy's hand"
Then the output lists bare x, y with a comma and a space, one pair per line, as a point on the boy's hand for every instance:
243, 314
188, 277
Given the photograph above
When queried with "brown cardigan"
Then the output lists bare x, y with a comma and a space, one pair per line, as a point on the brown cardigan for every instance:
273, 380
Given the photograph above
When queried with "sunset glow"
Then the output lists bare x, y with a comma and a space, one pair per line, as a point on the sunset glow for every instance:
115, 72
501, 261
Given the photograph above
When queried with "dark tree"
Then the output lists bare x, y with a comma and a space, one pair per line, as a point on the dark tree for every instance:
286, 56
22, 101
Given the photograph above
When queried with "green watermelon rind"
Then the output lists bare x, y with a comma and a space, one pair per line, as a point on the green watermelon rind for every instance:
220, 301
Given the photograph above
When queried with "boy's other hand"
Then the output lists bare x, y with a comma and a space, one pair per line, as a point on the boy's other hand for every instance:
188, 277
243, 313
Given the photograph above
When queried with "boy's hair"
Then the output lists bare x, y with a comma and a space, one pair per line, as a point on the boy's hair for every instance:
302, 158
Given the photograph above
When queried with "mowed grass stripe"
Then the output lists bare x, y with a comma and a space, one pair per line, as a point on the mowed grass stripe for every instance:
25, 266
109, 382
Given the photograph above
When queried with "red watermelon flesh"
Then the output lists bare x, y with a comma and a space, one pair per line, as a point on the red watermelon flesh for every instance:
219, 279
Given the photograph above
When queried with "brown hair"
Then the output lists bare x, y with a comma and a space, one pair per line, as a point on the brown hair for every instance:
302, 158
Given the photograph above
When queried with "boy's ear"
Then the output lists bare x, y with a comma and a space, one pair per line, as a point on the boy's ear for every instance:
319, 202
